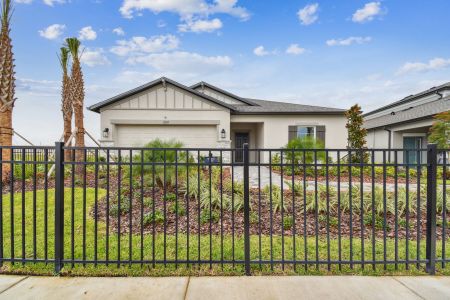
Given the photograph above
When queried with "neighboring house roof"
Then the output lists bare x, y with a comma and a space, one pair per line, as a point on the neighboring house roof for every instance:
96, 107
254, 106
422, 111
433, 90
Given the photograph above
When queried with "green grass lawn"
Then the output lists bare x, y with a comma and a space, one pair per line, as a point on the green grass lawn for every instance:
174, 246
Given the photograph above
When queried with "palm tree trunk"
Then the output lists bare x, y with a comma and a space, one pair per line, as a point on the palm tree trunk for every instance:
79, 136
67, 134
7, 87
6, 133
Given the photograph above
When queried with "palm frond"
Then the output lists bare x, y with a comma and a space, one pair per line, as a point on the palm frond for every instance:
64, 57
6, 13
73, 44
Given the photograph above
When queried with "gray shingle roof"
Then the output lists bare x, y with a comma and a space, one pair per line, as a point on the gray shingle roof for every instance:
217, 89
276, 107
433, 90
426, 110
254, 106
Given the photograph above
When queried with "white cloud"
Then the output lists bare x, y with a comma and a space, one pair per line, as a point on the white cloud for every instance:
87, 33
52, 2
367, 13
308, 14
161, 24
94, 57
185, 8
119, 31
139, 45
200, 25
23, 1
295, 49
180, 61
431, 65
349, 41
52, 32
260, 51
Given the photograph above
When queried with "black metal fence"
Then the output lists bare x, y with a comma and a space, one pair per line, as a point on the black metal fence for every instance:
278, 208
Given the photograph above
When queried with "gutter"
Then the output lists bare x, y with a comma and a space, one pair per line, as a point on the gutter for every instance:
389, 141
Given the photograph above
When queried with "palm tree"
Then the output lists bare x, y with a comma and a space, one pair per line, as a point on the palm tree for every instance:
7, 85
77, 94
67, 109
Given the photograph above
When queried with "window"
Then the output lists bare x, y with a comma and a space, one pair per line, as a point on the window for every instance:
316, 132
304, 131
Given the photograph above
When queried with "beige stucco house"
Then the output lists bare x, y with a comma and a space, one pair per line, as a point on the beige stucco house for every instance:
204, 116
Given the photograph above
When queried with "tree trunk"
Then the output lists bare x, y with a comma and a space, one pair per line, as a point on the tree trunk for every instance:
67, 134
6, 133
79, 142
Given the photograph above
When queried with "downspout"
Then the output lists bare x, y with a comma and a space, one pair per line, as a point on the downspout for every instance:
389, 142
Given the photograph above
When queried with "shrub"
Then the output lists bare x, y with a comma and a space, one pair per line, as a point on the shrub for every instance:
177, 208
124, 207
170, 197
205, 217
308, 157
155, 155
157, 218
288, 222
277, 198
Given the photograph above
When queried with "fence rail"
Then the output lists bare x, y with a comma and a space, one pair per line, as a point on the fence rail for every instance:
247, 209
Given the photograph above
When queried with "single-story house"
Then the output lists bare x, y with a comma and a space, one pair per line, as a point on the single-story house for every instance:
405, 124
205, 116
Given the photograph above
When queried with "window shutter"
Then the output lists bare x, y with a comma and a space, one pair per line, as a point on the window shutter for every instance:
320, 133
292, 133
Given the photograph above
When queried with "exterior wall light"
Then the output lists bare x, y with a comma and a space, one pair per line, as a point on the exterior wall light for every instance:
106, 132
223, 134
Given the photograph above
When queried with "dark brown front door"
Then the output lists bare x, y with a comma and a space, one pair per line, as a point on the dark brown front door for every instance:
241, 138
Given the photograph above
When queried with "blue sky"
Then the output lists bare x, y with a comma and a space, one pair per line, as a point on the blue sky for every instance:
328, 53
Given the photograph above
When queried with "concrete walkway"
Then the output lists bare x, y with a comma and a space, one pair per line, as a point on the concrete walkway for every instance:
310, 185
217, 288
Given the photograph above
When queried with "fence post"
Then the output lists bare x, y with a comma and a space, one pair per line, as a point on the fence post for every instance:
59, 206
246, 211
431, 208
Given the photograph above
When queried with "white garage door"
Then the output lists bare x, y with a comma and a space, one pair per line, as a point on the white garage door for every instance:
190, 136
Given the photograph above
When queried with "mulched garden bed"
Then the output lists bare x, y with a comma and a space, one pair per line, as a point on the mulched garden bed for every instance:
262, 220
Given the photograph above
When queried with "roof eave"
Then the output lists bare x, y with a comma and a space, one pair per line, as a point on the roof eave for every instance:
401, 122
337, 113
217, 89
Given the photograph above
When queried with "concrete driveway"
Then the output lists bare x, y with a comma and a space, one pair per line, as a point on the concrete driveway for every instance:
217, 288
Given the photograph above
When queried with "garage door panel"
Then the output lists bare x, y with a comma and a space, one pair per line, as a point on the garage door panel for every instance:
190, 136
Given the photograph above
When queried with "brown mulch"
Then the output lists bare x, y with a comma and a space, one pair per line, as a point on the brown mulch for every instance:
269, 222
355, 178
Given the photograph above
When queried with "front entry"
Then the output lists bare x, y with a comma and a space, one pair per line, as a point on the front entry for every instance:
241, 138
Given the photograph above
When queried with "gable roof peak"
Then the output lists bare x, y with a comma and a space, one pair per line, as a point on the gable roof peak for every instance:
164, 80
204, 84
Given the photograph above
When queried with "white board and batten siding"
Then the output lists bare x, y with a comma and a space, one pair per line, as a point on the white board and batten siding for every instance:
165, 113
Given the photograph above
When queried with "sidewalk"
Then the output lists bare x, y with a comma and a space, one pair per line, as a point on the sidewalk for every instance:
217, 288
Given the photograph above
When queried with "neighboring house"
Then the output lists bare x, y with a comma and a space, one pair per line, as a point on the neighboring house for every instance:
204, 116
406, 123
